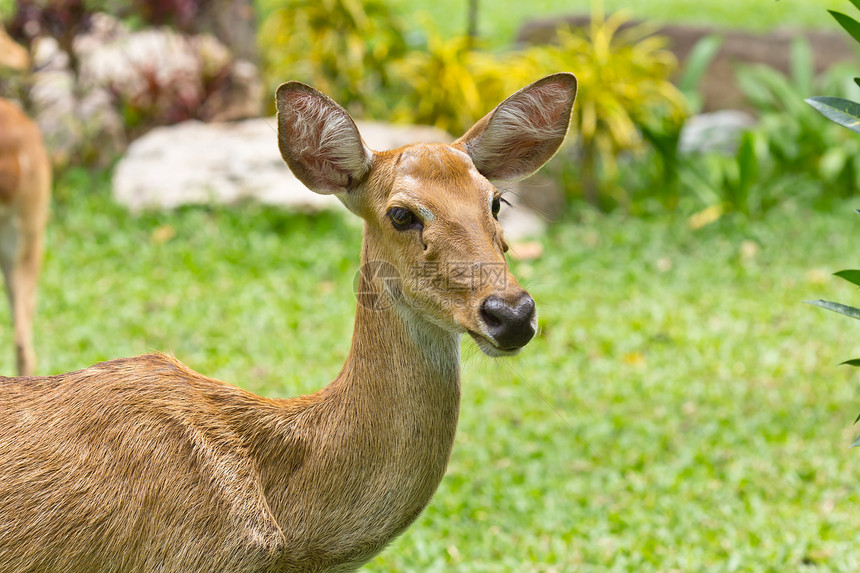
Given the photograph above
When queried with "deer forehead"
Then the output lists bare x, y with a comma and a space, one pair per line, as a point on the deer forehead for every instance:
431, 175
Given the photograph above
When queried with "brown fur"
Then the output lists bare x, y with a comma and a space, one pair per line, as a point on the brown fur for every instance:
141, 464
13, 56
25, 187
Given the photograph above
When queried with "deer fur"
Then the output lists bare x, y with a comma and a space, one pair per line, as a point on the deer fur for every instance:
141, 464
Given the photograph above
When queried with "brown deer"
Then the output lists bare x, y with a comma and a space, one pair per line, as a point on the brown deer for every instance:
25, 189
141, 464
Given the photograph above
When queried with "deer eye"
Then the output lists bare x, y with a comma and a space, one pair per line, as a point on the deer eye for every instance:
497, 205
403, 219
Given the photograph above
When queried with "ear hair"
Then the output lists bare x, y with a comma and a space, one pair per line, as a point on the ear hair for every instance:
524, 131
319, 140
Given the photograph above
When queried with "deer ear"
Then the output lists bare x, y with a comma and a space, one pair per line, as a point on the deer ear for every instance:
524, 131
319, 140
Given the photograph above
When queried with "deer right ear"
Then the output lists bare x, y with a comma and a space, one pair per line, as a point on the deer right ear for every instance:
524, 131
319, 140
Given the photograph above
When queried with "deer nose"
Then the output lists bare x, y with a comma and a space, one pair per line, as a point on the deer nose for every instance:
510, 325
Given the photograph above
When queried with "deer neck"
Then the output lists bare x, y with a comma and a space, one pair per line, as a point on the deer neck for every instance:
369, 450
403, 371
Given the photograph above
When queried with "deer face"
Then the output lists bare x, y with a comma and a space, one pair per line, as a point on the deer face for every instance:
430, 210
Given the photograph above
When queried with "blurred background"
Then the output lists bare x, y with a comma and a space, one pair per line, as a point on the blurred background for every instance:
680, 408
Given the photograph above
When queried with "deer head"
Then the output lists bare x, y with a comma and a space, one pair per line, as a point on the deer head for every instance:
430, 211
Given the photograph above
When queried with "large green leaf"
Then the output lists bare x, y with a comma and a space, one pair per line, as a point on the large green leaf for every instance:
852, 362
851, 275
697, 64
842, 111
851, 25
836, 307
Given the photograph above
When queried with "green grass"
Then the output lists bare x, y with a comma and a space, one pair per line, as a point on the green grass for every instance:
682, 409
499, 22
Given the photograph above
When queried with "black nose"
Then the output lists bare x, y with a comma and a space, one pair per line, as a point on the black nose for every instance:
509, 324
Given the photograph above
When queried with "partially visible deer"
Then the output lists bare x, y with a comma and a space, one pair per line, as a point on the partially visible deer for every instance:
25, 188
141, 464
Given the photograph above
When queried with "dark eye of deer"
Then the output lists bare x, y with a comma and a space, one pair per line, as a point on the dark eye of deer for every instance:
403, 219
497, 204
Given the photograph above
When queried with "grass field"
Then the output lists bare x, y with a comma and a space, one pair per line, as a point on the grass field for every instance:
681, 409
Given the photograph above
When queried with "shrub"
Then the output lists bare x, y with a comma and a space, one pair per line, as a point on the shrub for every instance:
624, 98
624, 86
342, 47
847, 114
796, 139
451, 85
840, 110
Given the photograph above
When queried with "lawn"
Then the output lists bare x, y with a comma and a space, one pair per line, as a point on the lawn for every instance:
681, 409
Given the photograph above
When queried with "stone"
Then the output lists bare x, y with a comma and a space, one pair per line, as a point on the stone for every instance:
76, 124
169, 75
226, 163
717, 131
163, 75
542, 192
194, 163
519, 221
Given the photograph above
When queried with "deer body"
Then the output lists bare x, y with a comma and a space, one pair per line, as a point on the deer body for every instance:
25, 187
141, 464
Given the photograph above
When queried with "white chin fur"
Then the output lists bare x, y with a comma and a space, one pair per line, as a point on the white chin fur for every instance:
489, 349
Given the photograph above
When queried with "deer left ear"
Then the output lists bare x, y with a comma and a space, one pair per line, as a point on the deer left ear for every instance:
524, 131
319, 140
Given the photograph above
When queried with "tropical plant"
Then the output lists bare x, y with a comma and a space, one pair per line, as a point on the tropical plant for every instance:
852, 276
795, 137
847, 114
840, 110
451, 85
734, 182
624, 86
342, 47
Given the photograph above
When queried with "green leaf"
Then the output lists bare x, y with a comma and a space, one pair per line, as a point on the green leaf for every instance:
850, 24
856, 442
802, 68
857, 81
852, 362
852, 276
836, 307
842, 111
856, 3
747, 163
697, 63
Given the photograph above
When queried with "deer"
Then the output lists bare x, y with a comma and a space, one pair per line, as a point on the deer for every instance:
25, 190
142, 464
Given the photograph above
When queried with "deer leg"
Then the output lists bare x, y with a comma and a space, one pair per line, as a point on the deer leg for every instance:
20, 259
25, 275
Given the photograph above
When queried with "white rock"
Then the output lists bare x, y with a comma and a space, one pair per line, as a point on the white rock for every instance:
520, 222
224, 163
719, 131
196, 163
